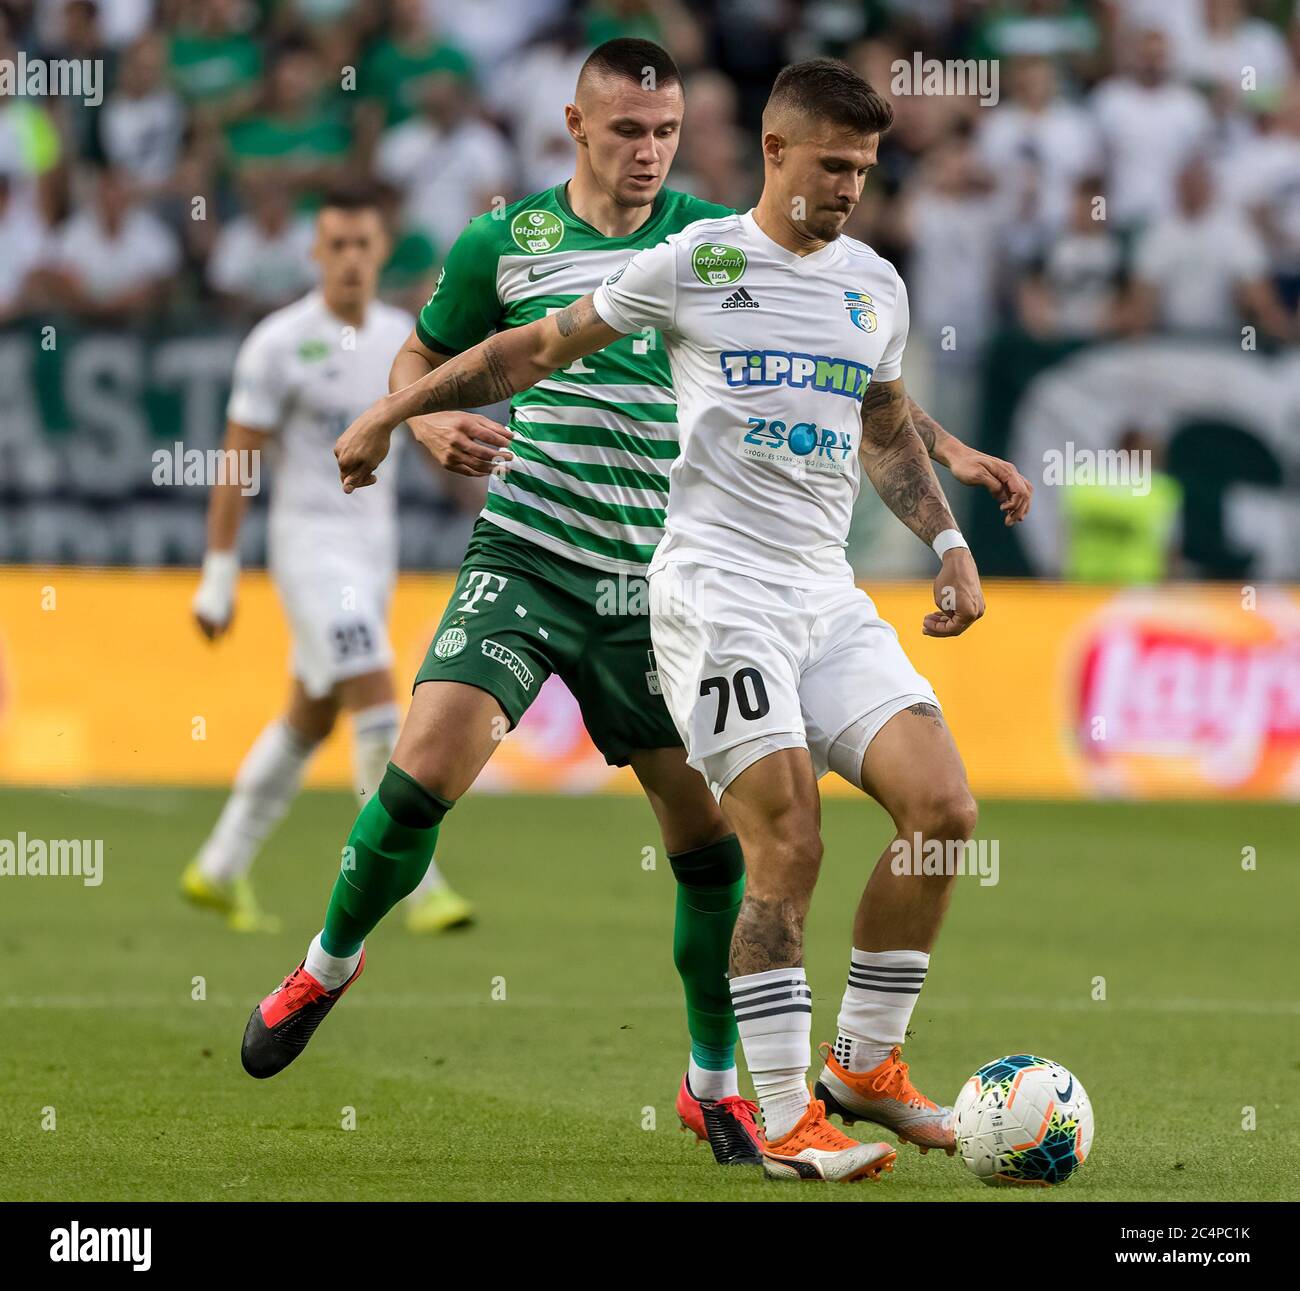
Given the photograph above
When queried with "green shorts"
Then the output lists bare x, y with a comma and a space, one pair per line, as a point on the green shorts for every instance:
520, 613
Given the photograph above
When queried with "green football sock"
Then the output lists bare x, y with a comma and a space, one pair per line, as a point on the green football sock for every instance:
710, 884
388, 851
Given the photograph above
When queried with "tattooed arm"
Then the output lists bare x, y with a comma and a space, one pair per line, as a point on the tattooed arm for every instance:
970, 466
501, 366
932, 434
894, 457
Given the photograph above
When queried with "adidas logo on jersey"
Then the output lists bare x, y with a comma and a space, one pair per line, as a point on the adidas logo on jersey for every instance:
740, 300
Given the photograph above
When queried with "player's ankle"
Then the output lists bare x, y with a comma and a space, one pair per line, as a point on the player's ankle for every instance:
331, 971
709, 1084
856, 1055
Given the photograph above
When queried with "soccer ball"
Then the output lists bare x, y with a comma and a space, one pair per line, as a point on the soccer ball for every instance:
1023, 1120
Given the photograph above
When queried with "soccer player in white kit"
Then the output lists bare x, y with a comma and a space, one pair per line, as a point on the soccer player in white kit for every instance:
300, 376
785, 341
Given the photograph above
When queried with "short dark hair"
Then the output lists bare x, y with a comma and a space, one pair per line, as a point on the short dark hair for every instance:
630, 59
832, 91
356, 196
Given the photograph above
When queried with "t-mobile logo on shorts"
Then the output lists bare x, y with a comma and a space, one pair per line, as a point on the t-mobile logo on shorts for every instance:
480, 586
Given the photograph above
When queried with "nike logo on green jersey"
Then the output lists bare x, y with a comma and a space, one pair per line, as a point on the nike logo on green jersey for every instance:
536, 275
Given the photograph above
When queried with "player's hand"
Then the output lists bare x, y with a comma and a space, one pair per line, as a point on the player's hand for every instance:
364, 444
1000, 478
958, 595
214, 603
464, 442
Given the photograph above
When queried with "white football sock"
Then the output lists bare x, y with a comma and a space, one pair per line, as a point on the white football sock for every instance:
711, 1085
266, 783
877, 1006
774, 1014
331, 971
374, 734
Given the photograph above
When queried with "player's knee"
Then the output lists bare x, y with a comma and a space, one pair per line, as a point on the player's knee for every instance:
805, 855
409, 803
947, 812
692, 836
787, 861
312, 728
431, 779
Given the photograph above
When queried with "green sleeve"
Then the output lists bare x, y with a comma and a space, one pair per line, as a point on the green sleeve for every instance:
696, 208
464, 306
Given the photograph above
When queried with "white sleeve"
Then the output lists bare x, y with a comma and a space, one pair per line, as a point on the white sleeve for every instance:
643, 293
890, 367
259, 387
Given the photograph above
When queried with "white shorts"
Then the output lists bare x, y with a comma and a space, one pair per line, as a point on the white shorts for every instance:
337, 606
748, 667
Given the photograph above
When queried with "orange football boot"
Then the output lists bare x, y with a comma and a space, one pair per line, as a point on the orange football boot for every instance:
886, 1096
816, 1151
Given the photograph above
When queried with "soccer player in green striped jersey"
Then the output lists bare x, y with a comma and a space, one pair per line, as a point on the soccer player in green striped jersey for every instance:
553, 579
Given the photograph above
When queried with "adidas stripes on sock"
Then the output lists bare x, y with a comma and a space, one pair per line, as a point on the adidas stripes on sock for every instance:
774, 1014
877, 1006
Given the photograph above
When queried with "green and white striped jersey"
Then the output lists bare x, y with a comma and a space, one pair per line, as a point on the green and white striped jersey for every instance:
593, 442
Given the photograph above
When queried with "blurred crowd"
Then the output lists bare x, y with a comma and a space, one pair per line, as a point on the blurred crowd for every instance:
1140, 170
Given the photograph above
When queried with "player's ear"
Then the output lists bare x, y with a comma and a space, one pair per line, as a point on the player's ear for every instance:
773, 147
573, 120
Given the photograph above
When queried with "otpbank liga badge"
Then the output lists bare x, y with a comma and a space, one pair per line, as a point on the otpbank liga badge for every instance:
716, 265
537, 232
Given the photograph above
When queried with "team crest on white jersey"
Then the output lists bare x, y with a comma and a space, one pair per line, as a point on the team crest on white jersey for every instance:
858, 303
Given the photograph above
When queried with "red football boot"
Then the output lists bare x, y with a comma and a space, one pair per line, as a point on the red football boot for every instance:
281, 1025
727, 1125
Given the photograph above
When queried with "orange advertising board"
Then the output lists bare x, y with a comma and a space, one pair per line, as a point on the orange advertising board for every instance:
1060, 691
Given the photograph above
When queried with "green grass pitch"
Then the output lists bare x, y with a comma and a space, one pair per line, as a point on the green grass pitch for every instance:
564, 1089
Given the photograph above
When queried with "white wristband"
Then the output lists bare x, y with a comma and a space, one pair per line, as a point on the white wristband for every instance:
947, 540
215, 598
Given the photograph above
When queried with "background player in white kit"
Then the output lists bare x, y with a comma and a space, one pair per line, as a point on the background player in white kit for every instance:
775, 667
300, 377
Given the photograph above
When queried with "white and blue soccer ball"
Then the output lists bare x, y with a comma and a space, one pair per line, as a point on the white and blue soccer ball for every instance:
1023, 1120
